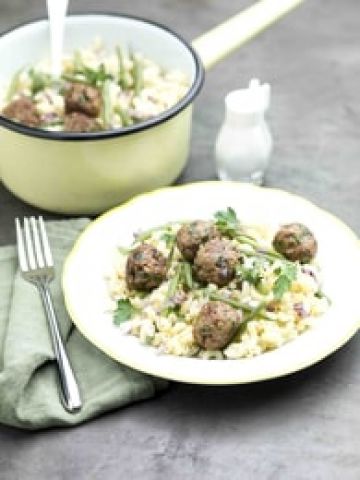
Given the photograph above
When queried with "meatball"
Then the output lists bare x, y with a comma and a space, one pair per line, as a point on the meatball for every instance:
23, 110
145, 268
215, 262
216, 325
192, 235
295, 242
80, 97
78, 122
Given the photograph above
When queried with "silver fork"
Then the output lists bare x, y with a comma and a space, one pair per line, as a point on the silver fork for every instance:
37, 267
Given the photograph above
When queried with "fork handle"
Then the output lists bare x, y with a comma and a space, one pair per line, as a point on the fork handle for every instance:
69, 387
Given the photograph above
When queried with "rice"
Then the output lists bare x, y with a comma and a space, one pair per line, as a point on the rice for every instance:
171, 330
138, 88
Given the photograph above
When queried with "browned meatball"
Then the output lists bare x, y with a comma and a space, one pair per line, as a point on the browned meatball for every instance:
215, 262
145, 268
83, 98
192, 235
216, 325
23, 110
78, 122
295, 242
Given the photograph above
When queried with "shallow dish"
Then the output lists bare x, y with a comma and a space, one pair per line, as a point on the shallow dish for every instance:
87, 297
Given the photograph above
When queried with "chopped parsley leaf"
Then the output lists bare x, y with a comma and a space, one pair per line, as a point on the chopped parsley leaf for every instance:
227, 222
252, 274
124, 311
168, 238
284, 280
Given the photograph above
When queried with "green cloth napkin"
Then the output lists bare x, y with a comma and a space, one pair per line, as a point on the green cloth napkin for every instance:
29, 396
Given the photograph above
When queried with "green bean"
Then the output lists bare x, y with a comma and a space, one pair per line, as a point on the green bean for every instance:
124, 250
268, 254
106, 111
247, 240
188, 280
321, 294
74, 79
274, 254
126, 120
14, 85
250, 313
253, 243
174, 283
123, 81
78, 63
233, 303
58, 123
245, 235
147, 234
171, 253
256, 311
137, 72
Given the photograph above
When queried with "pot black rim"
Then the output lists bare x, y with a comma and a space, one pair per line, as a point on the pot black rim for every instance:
108, 134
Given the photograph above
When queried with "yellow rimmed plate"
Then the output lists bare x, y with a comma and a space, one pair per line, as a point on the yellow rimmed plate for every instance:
87, 300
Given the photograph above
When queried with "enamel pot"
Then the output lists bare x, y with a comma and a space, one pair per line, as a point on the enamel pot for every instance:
86, 173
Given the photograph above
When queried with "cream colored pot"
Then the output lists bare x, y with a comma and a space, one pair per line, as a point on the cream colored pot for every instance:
87, 173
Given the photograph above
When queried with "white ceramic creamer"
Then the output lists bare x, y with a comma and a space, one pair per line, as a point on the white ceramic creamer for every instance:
244, 144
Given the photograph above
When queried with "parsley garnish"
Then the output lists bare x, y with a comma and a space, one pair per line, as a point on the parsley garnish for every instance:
227, 222
168, 238
252, 274
321, 294
39, 81
284, 280
124, 311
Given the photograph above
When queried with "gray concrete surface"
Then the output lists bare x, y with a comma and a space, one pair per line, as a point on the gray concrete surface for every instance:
305, 426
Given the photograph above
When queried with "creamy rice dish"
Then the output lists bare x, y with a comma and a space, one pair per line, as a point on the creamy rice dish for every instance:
98, 90
217, 289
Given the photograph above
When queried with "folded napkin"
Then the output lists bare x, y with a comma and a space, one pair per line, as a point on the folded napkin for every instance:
29, 395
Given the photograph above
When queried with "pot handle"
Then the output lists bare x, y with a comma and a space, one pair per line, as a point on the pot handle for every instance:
222, 40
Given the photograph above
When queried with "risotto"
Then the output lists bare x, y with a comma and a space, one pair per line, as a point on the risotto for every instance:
217, 289
98, 90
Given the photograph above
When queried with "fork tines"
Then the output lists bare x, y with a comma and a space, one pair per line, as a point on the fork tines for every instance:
33, 245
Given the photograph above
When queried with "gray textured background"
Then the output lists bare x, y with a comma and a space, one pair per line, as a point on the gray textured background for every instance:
305, 426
